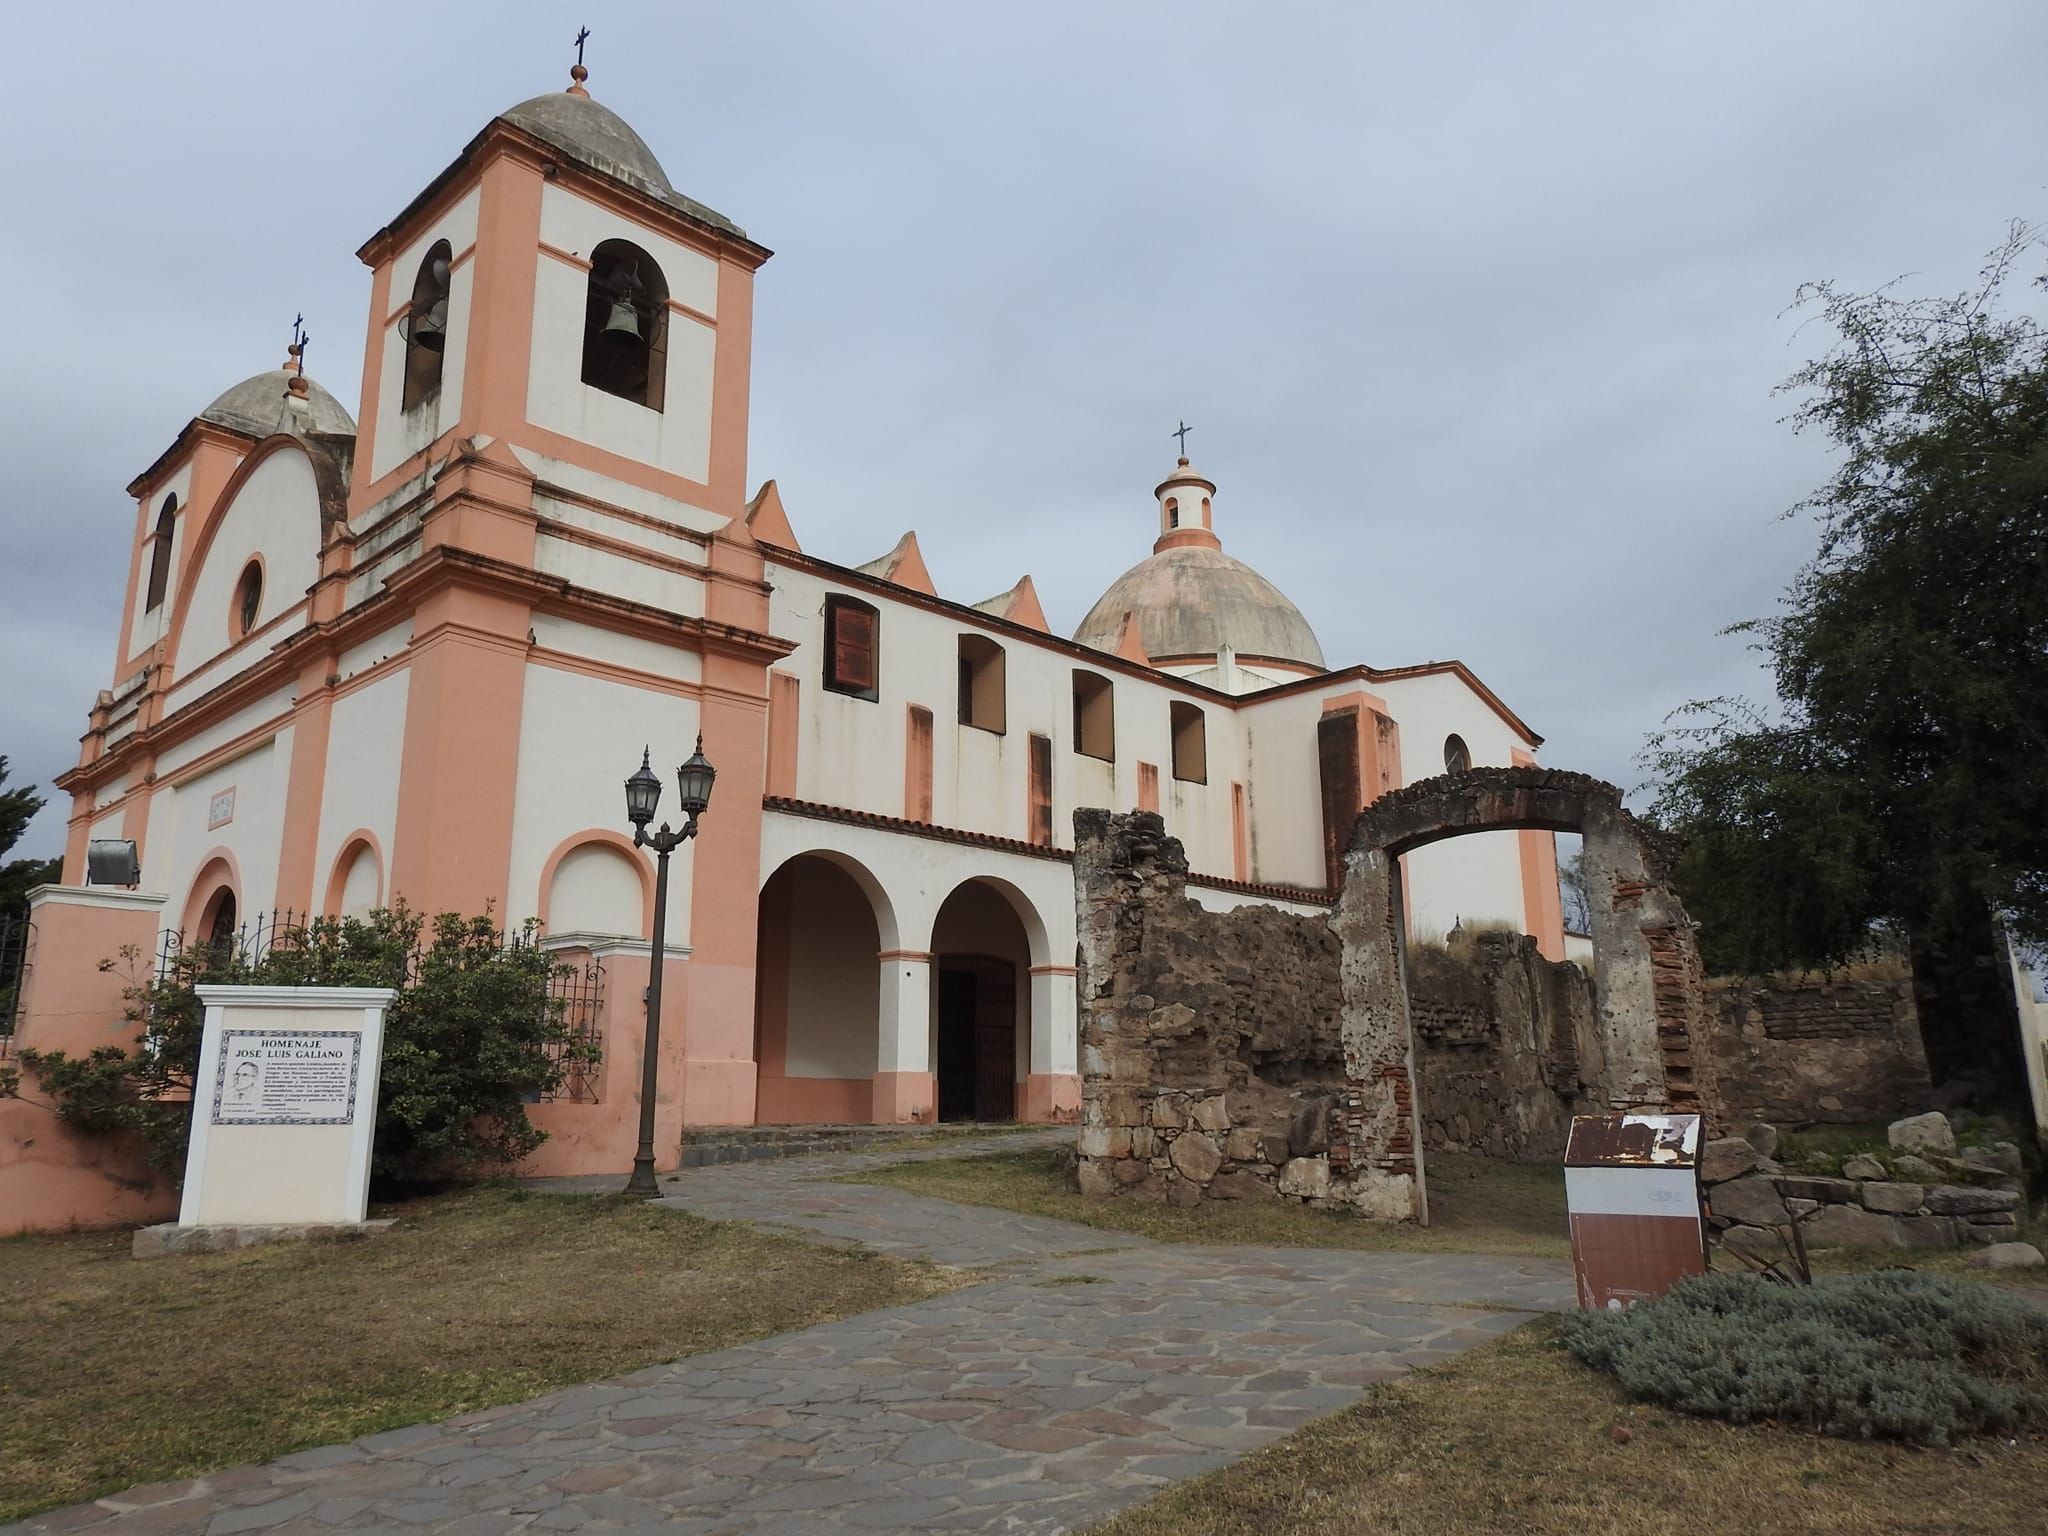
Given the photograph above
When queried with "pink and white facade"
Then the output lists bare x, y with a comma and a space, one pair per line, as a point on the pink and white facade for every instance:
413, 654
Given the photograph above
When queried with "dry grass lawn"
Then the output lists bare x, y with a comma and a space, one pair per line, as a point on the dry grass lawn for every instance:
1476, 1206
115, 1372
1518, 1437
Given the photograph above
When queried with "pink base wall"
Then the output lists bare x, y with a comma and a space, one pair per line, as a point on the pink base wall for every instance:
815, 1101
54, 1179
904, 1098
1052, 1098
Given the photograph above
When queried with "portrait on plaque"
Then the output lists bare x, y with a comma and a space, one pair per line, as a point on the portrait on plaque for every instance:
303, 1078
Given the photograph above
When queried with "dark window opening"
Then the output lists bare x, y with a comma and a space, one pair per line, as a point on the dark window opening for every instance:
625, 325
1457, 756
248, 598
981, 683
852, 636
1094, 716
1190, 743
1173, 511
160, 555
425, 327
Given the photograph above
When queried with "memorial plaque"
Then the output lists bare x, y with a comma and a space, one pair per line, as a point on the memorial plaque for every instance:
304, 1077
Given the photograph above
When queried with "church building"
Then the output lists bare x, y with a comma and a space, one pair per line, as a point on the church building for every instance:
412, 653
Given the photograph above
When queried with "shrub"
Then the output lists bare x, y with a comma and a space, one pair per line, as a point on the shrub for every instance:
1891, 1355
473, 1037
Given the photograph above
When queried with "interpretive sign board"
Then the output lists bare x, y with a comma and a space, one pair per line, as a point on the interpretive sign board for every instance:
285, 1106
1631, 1184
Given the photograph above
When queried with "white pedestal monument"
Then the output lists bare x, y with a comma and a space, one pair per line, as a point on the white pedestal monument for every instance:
283, 1114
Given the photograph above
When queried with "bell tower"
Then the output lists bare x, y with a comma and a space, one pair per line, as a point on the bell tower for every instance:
553, 291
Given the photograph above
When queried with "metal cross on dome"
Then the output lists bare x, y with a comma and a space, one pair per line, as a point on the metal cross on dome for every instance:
297, 349
1182, 434
581, 36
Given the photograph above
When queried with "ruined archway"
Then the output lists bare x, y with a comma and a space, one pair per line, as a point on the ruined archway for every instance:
1188, 1017
1648, 983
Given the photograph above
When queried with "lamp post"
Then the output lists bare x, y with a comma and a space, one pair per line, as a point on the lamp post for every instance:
643, 794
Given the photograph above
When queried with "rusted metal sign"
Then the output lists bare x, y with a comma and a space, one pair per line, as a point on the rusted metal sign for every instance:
1632, 1189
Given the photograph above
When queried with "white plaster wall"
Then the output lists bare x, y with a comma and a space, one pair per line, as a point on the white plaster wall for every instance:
579, 738
850, 751
597, 890
146, 625
276, 514
620, 575
258, 778
400, 433
366, 654
636, 652
833, 982
1286, 785
601, 487
678, 437
681, 545
174, 759
362, 888
365, 747
1475, 879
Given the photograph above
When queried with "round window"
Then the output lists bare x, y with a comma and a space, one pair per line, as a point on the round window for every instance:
248, 598
1457, 756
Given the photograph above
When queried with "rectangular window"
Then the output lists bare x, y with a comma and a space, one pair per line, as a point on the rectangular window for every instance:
981, 683
852, 637
1041, 791
1190, 743
1094, 716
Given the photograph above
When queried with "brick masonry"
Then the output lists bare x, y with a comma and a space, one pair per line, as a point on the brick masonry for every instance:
1828, 1051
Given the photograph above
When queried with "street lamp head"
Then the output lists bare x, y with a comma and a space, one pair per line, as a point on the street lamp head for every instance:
694, 778
643, 794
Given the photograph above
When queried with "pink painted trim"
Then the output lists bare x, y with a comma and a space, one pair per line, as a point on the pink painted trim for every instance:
217, 870
362, 837
605, 837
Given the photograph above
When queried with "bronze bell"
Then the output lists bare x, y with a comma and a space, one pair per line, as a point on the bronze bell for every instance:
624, 325
430, 329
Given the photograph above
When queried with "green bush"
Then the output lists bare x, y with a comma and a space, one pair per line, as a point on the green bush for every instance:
1894, 1354
473, 1037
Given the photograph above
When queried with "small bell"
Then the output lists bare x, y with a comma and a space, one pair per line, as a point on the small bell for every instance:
430, 327
623, 327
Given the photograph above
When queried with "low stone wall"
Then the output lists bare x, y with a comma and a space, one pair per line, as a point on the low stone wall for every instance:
1500, 1033
1833, 1052
1750, 1200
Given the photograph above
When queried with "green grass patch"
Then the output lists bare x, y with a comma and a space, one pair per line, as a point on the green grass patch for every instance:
115, 1371
1477, 1205
1518, 1437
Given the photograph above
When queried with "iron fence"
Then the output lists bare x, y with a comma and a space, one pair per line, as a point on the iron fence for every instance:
575, 994
14, 934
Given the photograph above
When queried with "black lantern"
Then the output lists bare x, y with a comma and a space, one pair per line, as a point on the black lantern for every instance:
695, 778
643, 793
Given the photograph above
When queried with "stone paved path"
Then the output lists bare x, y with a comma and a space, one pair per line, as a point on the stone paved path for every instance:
1086, 1370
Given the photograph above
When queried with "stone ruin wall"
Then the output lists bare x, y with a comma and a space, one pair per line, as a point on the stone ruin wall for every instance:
1210, 1055
1500, 1036
1827, 1051
1213, 1061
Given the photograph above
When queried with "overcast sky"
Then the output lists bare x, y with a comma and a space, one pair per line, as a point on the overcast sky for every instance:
1475, 310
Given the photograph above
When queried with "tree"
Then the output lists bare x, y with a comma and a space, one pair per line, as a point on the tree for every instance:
1571, 891
19, 876
1900, 784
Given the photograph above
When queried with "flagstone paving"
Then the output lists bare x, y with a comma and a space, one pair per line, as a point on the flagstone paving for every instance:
1085, 1372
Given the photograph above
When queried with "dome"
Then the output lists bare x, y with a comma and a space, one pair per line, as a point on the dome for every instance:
1193, 600
256, 407
594, 135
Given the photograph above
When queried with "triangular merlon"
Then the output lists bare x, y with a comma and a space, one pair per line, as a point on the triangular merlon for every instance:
903, 566
766, 520
1019, 605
